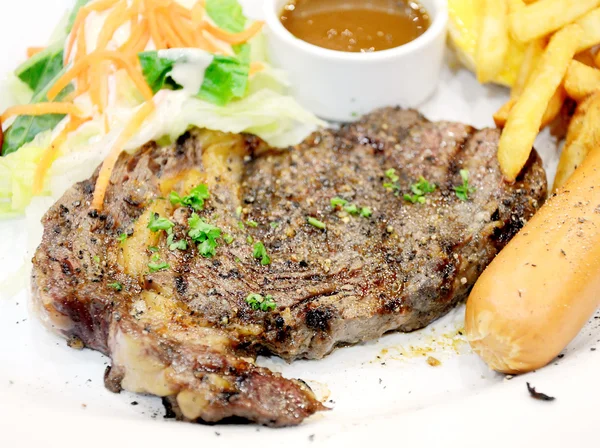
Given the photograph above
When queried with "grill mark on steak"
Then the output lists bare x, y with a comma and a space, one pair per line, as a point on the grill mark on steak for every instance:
187, 334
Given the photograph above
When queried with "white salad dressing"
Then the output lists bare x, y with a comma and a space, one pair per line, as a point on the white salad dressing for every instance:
190, 66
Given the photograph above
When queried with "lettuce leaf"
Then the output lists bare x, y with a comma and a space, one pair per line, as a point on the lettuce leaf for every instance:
225, 79
42, 68
26, 127
226, 14
39, 73
156, 70
16, 179
277, 119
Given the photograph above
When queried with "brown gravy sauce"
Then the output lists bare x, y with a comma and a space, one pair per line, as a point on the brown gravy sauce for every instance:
355, 25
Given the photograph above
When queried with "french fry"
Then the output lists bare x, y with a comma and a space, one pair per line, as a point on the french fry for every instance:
515, 5
552, 111
583, 136
554, 106
533, 53
586, 57
590, 23
546, 16
581, 80
493, 42
501, 115
526, 117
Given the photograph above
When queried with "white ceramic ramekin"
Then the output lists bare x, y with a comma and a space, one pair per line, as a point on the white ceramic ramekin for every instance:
341, 86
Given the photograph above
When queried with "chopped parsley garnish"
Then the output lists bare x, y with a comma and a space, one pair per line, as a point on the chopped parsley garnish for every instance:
316, 223
156, 223
155, 257
274, 224
241, 225
260, 253
249, 239
391, 175
337, 201
116, 286
156, 267
122, 238
238, 211
422, 187
96, 259
195, 199
204, 235
463, 191
174, 245
393, 183
258, 302
252, 223
352, 209
366, 212
414, 198
228, 238
178, 245
419, 190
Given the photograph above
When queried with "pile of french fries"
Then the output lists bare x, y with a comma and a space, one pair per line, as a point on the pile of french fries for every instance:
560, 63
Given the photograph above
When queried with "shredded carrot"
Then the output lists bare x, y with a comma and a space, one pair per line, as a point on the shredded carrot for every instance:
109, 163
212, 45
96, 57
184, 27
187, 31
32, 51
202, 42
171, 36
234, 39
82, 81
117, 17
106, 70
142, 42
136, 7
184, 33
159, 42
98, 6
41, 109
75, 31
50, 154
161, 3
198, 12
99, 86
180, 10
137, 29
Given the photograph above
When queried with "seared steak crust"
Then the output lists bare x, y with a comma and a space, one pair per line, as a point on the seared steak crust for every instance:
182, 332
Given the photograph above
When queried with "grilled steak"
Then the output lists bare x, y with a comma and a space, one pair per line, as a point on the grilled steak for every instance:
187, 332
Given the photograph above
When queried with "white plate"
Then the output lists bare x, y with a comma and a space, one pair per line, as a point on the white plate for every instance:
53, 396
